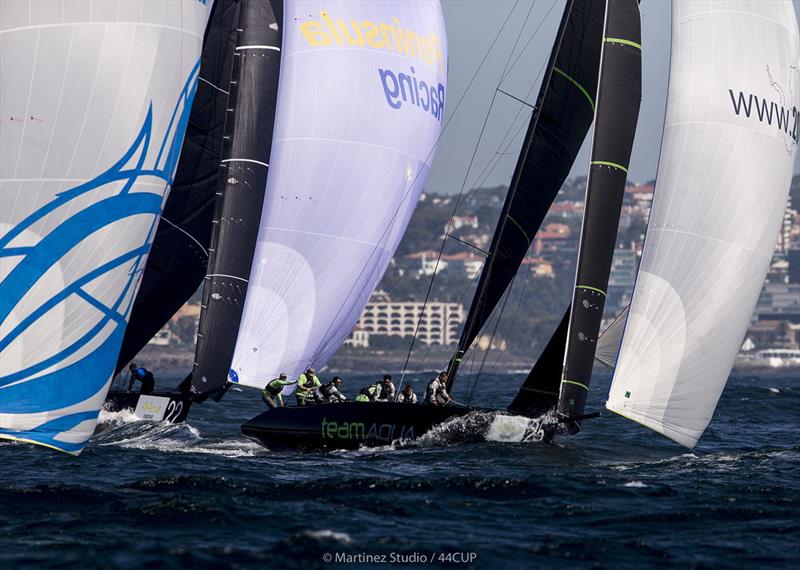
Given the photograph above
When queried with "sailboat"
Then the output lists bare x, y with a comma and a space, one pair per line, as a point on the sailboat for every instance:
564, 111
319, 179
208, 231
94, 102
727, 156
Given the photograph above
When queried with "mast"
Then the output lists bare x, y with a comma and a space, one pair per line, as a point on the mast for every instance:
243, 172
618, 101
563, 113
178, 259
727, 156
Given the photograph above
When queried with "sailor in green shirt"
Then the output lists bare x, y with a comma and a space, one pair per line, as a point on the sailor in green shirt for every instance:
273, 390
307, 383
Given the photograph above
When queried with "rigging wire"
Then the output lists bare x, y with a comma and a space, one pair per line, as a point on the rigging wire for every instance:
489, 168
463, 186
416, 176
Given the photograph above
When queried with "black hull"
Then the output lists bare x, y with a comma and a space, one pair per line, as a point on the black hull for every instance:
171, 407
347, 425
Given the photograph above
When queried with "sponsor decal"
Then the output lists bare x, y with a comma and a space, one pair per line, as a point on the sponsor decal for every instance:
400, 88
765, 111
362, 431
151, 408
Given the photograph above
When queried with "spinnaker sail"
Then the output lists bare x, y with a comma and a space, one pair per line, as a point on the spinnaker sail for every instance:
360, 108
94, 101
178, 258
618, 100
248, 141
728, 151
564, 111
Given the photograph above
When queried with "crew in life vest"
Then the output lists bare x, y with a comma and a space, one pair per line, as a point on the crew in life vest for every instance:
369, 393
307, 384
330, 392
386, 392
273, 391
407, 396
436, 393
143, 375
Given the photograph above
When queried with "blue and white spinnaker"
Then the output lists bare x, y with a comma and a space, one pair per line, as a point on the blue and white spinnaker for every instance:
94, 101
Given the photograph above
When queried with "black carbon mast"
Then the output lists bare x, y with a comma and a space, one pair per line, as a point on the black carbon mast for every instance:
178, 258
618, 101
561, 118
245, 164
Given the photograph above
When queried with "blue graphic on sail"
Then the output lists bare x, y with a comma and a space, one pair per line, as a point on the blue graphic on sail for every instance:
51, 395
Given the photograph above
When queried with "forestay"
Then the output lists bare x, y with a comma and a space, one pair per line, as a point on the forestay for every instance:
728, 148
360, 107
94, 101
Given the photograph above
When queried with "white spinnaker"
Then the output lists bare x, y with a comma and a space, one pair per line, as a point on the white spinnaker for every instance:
728, 149
94, 100
349, 159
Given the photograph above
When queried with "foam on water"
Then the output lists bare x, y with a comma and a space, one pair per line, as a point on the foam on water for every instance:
127, 431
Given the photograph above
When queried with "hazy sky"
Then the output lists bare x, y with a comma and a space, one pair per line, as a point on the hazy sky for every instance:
471, 27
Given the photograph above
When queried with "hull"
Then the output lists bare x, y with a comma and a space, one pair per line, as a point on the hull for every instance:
347, 425
172, 407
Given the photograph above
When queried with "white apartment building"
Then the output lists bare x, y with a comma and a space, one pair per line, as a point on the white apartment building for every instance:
439, 325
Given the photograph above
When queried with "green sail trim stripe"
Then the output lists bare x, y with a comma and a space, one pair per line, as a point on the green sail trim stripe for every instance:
519, 226
612, 164
623, 41
591, 289
584, 386
576, 84
539, 391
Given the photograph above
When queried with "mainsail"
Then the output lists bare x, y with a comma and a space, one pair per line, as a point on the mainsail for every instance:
564, 111
94, 101
178, 258
248, 140
728, 149
618, 99
360, 108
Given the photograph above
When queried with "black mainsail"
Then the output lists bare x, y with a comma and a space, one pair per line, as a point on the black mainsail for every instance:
245, 164
178, 258
618, 101
563, 113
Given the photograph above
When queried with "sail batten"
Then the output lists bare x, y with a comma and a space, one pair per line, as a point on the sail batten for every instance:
723, 177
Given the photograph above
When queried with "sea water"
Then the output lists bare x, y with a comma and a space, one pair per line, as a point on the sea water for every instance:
617, 495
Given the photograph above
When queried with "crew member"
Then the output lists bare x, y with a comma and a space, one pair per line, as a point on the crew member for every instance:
369, 393
386, 393
330, 392
143, 375
436, 393
407, 396
273, 391
307, 384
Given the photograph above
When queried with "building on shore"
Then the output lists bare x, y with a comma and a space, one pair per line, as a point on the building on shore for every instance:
439, 322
